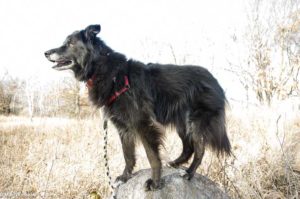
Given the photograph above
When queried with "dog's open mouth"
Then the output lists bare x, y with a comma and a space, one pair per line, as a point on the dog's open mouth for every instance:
63, 64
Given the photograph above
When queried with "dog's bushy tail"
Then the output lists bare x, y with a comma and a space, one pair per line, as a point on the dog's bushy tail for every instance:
212, 126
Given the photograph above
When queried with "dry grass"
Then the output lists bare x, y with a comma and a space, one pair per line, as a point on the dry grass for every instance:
63, 158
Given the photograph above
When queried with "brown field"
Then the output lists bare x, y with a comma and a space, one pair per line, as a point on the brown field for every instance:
63, 158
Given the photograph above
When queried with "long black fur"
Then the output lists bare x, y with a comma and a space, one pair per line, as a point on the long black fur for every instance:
186, 97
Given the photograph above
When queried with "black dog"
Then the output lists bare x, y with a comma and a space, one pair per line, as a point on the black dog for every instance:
140, 99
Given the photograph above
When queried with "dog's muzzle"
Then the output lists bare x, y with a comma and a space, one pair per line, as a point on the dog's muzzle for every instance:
61, 63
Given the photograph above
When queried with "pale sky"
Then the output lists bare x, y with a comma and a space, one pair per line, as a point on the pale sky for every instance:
143, 30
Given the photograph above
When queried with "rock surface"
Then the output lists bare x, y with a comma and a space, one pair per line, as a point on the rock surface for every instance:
175, 187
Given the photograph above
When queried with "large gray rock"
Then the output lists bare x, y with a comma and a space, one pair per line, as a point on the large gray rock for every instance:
175, 187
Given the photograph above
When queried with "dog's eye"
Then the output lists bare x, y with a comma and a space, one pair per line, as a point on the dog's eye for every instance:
70, 43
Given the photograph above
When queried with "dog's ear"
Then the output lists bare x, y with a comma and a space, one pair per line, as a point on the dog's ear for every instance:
91, 31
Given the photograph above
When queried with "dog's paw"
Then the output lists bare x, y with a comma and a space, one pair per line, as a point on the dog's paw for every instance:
186, 175
150, 185
182, 172
172, 164
123, 178
117, 183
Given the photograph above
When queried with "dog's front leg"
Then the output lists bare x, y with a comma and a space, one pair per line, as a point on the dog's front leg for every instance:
128, 146
154, 182
151, 137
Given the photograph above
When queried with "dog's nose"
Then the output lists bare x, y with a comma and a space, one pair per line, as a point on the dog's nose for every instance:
48, 53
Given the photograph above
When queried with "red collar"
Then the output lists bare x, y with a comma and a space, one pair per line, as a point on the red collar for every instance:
112, 99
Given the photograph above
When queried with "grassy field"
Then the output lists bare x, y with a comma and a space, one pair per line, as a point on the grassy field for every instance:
63, 158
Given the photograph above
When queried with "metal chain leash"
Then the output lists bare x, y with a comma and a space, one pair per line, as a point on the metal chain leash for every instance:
106, 160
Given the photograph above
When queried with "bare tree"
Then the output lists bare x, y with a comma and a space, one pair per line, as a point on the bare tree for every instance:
8, 89
271, 66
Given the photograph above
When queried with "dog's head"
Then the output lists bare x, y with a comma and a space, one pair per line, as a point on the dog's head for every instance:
78, 52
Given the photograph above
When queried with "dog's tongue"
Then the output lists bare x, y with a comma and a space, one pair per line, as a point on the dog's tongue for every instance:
61, 63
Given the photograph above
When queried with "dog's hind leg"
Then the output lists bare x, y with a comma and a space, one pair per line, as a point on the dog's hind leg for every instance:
199, 148
187, 146
151, 134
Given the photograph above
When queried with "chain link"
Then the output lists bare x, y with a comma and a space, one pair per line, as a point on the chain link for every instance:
106, 160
